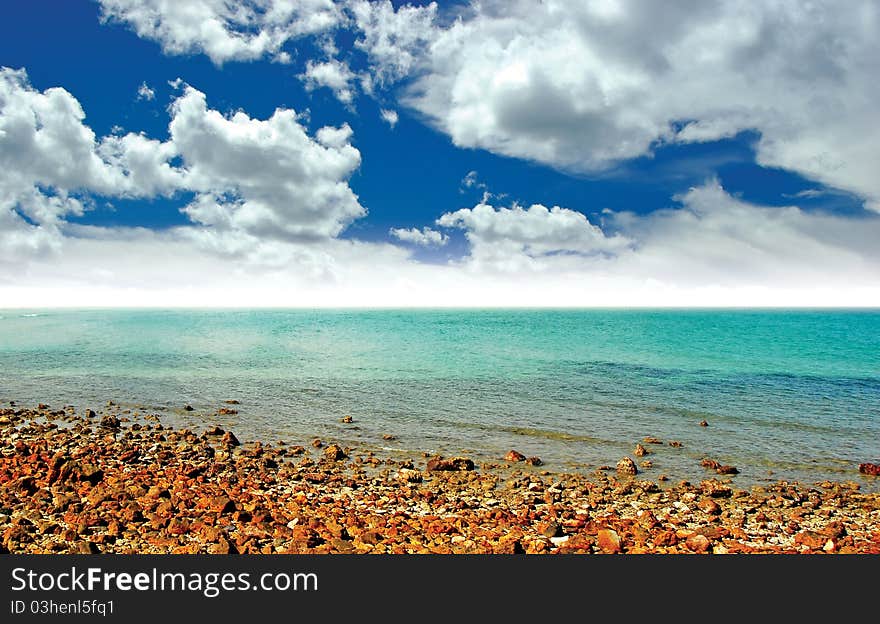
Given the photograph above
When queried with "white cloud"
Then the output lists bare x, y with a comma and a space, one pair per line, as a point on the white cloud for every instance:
223, 30
393, 40
145, 92
266, 178
519, 238
426, 236
583, 85
389, 116
256, 181
47, 155
334, 74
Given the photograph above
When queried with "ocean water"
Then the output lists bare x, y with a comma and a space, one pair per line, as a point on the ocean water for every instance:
788, 394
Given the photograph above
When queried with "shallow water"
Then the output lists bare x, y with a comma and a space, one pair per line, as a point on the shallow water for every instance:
787, 394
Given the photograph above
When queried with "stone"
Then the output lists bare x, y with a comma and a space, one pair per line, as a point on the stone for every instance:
715, 489
870, 469
454, 464
110, 422
534, 461
711, 464
317, 443
229, 439
709, 506
232, 401
646, 464
219, 504
227, 411
834, 530
346, 419
627, 466
514, 456
215, 431
652, 440
550, 529
389, 437
188, 407
704, 423
675, 444
810, 539
698, 543
608, 541
727, 470
408, 475
640, 451
334, 453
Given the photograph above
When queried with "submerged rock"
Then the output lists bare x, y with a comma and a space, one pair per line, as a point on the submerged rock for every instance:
514, 456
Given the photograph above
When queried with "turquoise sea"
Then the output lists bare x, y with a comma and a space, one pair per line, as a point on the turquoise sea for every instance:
788, 394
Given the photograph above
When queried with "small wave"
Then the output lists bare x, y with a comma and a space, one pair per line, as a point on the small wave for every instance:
29, 315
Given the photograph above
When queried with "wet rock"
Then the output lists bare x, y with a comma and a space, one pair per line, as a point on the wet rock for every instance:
453, 464
627, 466
334, 453
727, 470
534, 461
408, 475
389, 437
317, 443
215, 431
640, 451
232, 401
110, 422
514, 456
652, 440
188, 407
608, 541
227, 411
870, 469
346, 419
646, 464
704, 423
715, 489
229, 439
675, 444
711, 464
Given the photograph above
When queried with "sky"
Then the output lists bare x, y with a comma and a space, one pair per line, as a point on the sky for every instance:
312, 153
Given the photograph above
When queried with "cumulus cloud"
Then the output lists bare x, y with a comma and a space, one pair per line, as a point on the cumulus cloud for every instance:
224, 30
389, 116
517, 238
255, 181
503, 77
425, 237
145, 92
268, 178
333, 74
48, 156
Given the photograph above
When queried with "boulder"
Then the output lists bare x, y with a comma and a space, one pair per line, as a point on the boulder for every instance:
627, 466
870, 469
453, 464
608, 541
514, 456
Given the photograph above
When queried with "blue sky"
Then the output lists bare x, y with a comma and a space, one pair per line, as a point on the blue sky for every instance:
595, 114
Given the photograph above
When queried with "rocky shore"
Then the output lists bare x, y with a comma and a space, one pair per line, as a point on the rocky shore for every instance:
119, 482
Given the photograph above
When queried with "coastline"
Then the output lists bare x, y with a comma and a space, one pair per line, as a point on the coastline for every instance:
116, 483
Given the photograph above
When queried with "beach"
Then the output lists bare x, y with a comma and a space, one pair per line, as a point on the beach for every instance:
119, 481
